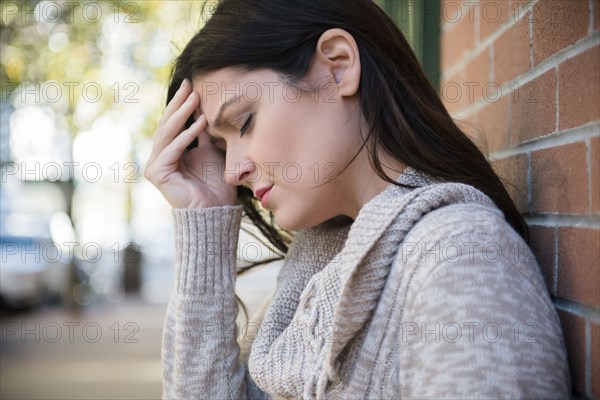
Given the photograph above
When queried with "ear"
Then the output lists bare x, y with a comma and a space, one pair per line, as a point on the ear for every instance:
337, 56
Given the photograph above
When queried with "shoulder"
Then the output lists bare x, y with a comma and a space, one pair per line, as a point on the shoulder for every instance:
462, 220
466, 224
470, 244
475, 304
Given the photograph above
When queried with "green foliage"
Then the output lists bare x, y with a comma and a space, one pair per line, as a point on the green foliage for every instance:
88, 58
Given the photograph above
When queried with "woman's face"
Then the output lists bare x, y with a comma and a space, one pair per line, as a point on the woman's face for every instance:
292, 142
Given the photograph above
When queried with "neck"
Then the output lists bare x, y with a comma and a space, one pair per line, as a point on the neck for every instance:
363, 184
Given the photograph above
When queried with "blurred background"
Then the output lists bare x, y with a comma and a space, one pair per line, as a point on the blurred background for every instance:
86, 242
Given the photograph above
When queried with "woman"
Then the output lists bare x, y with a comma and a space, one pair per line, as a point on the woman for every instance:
409, 274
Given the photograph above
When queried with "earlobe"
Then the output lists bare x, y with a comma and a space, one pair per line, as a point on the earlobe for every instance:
338, 54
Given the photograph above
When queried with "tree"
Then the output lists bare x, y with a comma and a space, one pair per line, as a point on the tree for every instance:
84, 64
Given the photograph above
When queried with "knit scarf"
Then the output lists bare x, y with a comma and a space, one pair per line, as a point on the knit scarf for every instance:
346, 294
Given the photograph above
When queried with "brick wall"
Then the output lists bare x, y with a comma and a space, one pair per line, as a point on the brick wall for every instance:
523, 79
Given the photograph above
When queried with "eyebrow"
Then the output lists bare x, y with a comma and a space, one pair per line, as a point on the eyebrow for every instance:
218, 120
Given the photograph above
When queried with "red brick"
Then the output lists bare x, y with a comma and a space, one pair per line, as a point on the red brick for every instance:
511, 52
595, 169
573, 327
515, 6
454, 93
542, 242
596, 5
534, 108
559, 180
513, 173
478, 76
556, 25
579, 265
578, 92
595, 361
453, 11
494, 121
459, 38
492, 15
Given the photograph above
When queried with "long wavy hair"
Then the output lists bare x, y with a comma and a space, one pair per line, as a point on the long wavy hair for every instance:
404, 114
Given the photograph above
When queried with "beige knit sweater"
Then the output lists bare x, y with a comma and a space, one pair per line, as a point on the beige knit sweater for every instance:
429, 293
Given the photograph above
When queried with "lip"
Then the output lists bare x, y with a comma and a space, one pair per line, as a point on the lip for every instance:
263, 194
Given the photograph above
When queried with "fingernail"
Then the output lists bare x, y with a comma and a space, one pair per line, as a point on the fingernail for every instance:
183, 83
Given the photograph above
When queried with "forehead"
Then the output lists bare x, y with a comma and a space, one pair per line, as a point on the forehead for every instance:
215, 88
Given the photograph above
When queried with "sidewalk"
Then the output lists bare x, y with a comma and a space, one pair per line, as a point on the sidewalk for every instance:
108, 351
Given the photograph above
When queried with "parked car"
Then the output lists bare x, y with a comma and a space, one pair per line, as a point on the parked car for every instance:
34, 266
23, 271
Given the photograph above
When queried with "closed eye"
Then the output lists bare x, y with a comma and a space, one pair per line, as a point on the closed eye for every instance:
246, 124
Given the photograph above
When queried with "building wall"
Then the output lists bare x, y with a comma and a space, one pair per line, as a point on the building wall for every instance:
523, 79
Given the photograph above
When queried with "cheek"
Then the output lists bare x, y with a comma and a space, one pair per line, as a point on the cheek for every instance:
278, 140
314, 136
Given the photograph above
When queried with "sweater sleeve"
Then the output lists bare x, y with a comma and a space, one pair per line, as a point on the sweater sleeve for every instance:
479, 322
200, 353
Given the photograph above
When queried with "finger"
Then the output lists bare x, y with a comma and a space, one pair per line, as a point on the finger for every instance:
203, 138
174, 125
175, 149
178, 99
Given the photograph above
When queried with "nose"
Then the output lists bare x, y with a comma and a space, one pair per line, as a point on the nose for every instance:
238, 170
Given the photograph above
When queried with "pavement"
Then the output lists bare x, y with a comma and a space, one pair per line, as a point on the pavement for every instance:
104, 351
